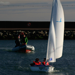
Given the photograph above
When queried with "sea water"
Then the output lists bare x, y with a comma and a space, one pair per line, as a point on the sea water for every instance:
12, 63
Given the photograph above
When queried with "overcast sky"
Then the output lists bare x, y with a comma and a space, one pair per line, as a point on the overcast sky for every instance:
33, 10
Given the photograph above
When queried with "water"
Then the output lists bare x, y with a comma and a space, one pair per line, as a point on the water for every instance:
12, 63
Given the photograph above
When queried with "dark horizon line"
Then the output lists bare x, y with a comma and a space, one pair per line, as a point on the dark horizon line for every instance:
28, 24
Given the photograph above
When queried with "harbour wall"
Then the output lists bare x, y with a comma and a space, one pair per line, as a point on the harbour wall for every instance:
32, 34
9, 30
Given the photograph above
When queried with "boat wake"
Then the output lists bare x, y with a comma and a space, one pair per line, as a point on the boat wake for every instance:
21, 68
6, 49
56, 71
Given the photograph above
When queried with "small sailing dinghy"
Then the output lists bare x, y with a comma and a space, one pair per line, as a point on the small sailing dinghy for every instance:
55, 38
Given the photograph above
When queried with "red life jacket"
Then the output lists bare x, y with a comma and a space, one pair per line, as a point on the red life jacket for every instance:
37, 63
44, 63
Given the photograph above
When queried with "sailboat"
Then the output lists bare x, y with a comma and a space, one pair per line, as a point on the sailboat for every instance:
55, 38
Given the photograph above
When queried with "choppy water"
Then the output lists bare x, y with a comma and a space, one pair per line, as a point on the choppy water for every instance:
12, 63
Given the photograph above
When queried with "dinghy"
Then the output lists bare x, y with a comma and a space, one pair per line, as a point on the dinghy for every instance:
55, 38
24, 48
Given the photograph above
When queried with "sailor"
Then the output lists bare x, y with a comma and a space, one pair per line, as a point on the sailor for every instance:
21, 34
17, 41
24, 40
44, 62
36, 62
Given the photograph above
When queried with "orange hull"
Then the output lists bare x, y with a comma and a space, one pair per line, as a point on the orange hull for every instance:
24, 51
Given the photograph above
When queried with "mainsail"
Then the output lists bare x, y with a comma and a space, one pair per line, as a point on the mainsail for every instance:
56, 32
59, 28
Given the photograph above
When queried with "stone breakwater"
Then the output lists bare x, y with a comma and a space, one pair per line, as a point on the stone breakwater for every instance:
32, 34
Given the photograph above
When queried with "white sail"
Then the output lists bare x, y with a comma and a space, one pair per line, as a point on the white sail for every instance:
51, 47
58, 20
56, 32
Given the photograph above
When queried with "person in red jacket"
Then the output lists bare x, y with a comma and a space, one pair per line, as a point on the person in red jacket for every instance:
37, 62
44, 62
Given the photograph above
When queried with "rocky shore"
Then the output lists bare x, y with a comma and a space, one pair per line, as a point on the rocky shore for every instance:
32, 35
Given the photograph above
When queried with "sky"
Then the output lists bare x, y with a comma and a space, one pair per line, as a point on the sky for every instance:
33, 10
